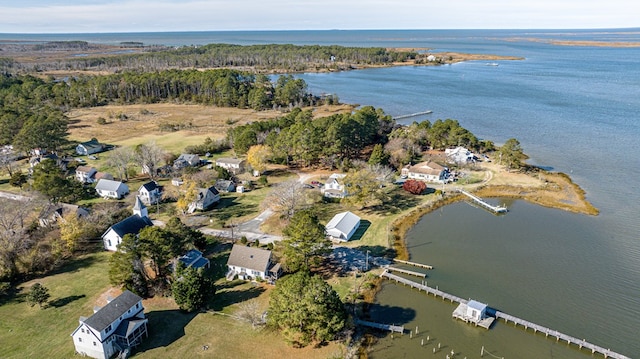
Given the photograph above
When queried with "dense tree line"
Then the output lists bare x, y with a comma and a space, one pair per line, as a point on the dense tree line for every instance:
282, 57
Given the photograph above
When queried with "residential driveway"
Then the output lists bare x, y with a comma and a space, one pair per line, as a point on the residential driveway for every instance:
15, 197
236, 234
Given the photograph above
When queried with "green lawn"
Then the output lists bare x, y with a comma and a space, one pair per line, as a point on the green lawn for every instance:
30, 332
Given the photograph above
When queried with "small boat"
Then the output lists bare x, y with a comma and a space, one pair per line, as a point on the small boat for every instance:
492, 64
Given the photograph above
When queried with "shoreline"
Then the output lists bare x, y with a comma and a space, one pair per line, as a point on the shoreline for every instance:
549, 189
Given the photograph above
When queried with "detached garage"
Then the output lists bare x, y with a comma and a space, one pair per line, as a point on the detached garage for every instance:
342, 226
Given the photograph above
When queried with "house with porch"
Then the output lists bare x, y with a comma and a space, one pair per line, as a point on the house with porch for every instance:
112, 237
342, 226
114, 328
111, 189
233, 165
90, 147
205, 198
334, 187
251, 263
428, 171
150, 193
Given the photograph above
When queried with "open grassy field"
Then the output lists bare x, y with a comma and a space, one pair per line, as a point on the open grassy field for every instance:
29, 332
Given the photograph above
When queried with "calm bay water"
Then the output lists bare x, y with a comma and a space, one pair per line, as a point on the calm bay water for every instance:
574, 110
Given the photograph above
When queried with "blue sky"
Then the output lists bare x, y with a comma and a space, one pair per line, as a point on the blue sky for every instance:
81, 16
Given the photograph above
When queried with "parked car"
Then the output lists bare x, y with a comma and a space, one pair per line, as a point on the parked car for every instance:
307, 186
316, 183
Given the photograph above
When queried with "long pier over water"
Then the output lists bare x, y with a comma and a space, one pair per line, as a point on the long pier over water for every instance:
581, 343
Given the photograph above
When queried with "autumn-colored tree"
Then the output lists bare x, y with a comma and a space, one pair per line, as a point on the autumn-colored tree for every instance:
258, 156
414, 186
187, 196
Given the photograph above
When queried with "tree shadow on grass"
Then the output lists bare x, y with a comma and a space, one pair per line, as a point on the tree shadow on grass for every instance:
61, 302
397, 203
377, 251
165, 327
74, 265
226, 298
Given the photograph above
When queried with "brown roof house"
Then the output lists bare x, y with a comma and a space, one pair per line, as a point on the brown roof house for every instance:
252, 263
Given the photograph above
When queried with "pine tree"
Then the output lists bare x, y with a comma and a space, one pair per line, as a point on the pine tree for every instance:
38, 294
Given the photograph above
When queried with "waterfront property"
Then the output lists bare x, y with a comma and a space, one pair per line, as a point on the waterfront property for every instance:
342, 226
428, 171
116, 327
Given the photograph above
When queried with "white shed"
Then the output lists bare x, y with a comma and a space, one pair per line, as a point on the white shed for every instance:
342, 226
476, 310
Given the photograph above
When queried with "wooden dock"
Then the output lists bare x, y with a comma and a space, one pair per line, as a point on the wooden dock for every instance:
581, 343
420, 265
483, 204
413, 115
389, 327
405, 271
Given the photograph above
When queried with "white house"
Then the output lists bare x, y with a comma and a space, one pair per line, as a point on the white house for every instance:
111, 189
426, 171
251, 263
112, 237
342, 226
89, 147
150, 192
86, 174
333, 187
233, 165
186, 160
194, 259
119, 325
206, 197
459, 155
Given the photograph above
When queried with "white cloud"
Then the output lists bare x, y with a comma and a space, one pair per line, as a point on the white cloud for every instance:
34, 16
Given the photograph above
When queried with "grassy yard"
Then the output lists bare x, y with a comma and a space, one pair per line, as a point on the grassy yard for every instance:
79, 286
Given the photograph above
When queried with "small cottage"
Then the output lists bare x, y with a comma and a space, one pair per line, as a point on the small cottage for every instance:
89, 147
111, 189
342, 226
119, 325
252, 263
459, 155
194, 259
225, 185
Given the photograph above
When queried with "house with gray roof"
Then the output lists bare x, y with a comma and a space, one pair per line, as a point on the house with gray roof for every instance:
119, 325
112, 237
111, 189
85, 174
186, 160
233, 165
428, 171
342, 226
249, 263
90, 147
194, 259
205, 198
223, 185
